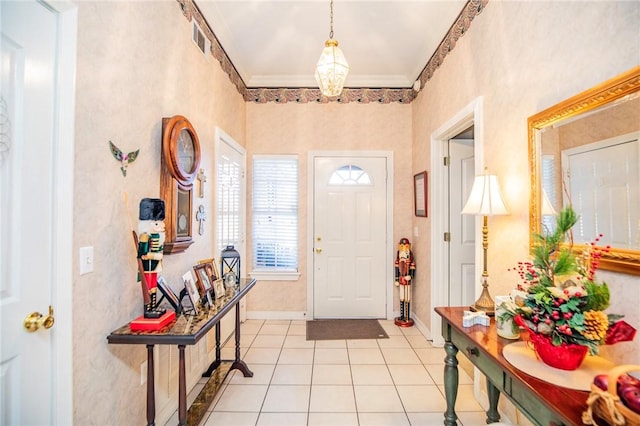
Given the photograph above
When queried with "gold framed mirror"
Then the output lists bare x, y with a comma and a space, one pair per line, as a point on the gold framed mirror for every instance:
585, 130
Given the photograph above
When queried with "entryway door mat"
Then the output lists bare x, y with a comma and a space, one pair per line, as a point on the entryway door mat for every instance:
345, 329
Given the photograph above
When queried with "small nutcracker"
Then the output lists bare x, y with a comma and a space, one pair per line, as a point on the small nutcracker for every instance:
151, 238
405, 272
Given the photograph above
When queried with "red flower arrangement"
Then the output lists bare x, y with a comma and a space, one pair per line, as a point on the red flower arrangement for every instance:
558, 297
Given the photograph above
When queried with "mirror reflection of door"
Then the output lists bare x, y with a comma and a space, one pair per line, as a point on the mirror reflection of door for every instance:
462, 227
603, 182
349, 268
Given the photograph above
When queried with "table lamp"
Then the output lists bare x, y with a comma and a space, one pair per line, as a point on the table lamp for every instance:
485, 200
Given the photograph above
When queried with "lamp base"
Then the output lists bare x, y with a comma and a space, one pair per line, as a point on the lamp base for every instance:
484, 303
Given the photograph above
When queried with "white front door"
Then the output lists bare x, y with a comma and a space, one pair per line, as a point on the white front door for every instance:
35, 212
349, 237
462, 227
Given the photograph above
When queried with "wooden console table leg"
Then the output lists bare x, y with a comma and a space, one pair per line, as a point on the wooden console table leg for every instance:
494, 394
182, 388
450, 383
239, 364
216, 363
151, 392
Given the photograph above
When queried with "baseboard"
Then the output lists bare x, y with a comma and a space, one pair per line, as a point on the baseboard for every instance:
277, 315
419, 325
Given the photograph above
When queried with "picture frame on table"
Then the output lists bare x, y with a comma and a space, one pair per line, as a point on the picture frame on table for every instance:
420, 200
204, 282
218, 288
169, 294
212, 271
192, 290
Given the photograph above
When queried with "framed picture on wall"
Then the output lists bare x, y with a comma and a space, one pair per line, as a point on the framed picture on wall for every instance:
420, 200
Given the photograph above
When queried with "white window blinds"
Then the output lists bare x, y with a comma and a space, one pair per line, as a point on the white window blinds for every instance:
275, 213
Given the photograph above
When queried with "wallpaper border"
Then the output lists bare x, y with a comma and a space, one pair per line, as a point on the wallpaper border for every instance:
359, 95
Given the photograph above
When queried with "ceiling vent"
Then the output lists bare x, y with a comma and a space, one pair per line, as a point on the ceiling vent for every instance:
203, 43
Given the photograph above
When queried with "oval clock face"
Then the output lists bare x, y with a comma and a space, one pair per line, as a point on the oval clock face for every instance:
181, 149
186, 152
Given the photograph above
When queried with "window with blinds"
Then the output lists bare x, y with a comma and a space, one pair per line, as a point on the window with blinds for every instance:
275, 213
549, 188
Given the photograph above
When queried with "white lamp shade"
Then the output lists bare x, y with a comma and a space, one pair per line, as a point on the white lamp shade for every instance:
485, 198
332, 69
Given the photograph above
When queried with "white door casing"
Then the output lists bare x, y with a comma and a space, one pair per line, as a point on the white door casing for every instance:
351, 261
439, 200
462, 227
230, 184
36, 209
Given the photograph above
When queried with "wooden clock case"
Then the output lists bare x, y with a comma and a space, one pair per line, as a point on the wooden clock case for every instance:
180, 161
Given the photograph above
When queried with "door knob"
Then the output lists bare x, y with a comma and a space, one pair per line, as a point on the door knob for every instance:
35, 320
318, 250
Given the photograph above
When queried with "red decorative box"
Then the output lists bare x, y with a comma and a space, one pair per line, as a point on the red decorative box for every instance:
151, 324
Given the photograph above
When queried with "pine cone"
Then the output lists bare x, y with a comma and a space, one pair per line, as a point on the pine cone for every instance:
596, 324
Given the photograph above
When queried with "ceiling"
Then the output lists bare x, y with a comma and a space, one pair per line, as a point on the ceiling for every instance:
276, 43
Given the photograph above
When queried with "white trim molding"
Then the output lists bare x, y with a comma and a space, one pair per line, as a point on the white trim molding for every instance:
469, 115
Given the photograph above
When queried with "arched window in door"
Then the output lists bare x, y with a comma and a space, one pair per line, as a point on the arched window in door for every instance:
350, 175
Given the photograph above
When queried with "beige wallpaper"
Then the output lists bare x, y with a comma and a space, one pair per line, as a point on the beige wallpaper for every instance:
299, 128
136, 64
523, 57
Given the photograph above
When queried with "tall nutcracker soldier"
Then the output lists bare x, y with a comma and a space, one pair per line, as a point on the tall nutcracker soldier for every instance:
150, 247
405, 272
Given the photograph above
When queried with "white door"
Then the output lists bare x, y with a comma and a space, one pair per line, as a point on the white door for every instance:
462, 227
230, 205
349, 274
604, 183
35, 212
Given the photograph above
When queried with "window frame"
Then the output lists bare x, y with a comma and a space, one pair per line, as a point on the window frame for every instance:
275, 273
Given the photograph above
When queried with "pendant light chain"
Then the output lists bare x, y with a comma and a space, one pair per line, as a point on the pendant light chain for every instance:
331, 16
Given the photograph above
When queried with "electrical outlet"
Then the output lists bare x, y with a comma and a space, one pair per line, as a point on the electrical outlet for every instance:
143, 373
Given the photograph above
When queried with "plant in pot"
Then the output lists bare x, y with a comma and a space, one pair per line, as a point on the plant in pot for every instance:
560, 302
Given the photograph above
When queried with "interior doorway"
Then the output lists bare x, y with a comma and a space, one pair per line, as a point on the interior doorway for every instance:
462, 233
38, 39
454, 278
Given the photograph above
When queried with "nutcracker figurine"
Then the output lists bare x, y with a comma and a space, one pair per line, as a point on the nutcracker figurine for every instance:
150, 247
405, 272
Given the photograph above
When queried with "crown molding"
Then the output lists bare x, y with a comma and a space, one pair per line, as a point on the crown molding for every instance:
358, 95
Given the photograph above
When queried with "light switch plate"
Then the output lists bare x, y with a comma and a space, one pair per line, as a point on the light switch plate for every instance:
86, 260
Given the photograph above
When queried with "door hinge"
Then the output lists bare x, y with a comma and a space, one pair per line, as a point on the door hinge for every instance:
447, 236
447, 161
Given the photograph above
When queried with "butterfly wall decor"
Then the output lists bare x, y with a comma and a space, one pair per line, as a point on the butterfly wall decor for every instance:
124, 159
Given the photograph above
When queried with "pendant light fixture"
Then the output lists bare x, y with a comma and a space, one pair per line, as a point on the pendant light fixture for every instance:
332, 67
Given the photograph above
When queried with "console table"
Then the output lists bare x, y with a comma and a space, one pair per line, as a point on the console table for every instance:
543, 403
188, 330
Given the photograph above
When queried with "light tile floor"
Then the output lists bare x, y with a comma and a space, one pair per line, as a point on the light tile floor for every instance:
383, 382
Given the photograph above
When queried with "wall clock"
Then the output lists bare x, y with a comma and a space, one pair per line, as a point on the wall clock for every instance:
180, 161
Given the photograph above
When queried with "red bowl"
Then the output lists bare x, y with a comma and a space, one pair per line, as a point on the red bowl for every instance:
565, 357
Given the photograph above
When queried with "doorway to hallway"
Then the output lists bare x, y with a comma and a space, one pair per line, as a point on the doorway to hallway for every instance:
455, 155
